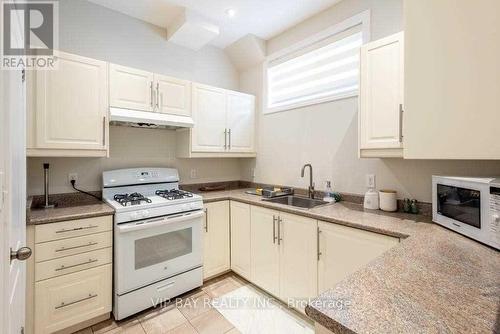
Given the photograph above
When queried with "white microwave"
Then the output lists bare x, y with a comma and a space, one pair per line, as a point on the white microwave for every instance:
469, 206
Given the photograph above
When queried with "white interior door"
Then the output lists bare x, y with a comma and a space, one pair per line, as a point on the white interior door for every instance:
12, 198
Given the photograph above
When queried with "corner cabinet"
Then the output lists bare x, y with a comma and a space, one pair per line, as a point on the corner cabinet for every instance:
68, 108
335, 241
224, 124
381, 98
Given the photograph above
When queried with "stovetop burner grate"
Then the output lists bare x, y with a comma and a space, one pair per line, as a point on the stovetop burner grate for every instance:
131, 199
173, 194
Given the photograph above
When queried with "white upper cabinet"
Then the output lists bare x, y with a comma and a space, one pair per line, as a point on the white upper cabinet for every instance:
381, 98
173, 96
452, 79
68, 108
209, 114
131, 88
240, 122
224, 124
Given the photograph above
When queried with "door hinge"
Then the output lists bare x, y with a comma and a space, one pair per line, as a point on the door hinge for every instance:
23, 75
22, 330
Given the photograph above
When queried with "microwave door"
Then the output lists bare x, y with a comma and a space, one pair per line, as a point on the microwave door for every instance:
460, 204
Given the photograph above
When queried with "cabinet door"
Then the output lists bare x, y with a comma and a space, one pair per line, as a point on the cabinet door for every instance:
381, 93
452, 79
173, 96
240, 239
130, 88
345, 250
216, 256
298, 259
209, 114
71, 299
71, 104
265, 249
240, 122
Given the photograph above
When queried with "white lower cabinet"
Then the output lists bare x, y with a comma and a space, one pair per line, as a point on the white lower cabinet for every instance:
69, 278
70, 299
298, 259
265, 254
344, 250
240, 239
216, 253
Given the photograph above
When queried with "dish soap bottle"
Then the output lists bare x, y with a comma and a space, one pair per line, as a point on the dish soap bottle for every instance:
328, 193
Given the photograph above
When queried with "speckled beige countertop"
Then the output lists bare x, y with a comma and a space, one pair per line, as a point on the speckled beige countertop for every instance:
434, 281
70, 207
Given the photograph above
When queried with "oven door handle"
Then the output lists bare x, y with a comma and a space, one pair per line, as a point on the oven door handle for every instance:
125, 228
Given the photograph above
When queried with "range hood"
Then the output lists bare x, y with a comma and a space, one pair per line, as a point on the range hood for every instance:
146, 119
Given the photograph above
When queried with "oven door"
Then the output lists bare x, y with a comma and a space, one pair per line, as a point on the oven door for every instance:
154, 249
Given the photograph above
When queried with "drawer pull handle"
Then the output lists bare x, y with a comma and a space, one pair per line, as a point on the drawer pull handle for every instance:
63, 267
77, 229
63, 304
62, 249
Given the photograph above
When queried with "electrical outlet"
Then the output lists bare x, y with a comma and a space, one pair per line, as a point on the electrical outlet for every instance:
370, 180
194, 173
73, 176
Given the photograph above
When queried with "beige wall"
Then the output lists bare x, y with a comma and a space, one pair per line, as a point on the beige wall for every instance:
151, 147
94, 31
326, 135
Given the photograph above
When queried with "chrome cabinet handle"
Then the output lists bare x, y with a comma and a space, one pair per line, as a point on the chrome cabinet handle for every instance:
401, 111
318, 231
104, 131
225, 139
63, 304
63, 267
279, 230
206, 219
157, 95
77, 229
62, 249
151, 93
274, 229
229, 146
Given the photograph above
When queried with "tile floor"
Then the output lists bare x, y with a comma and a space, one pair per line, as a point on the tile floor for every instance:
194, 313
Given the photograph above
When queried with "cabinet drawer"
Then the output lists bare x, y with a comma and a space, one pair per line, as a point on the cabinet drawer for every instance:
73, 263
73, 228
65, 247
68, 300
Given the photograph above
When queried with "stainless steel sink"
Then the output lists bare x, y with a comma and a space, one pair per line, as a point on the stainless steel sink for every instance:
297, 201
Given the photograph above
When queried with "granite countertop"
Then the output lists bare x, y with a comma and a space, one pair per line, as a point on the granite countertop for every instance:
434, 281
70, 206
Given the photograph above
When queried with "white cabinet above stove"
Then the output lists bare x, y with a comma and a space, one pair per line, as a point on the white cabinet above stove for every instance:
224, 124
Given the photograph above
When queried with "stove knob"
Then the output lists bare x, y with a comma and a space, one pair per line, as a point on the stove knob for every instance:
145, 213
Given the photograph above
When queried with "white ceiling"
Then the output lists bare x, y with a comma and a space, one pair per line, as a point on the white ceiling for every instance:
263, 18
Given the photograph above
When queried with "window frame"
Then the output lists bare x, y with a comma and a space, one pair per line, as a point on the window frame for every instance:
362, 19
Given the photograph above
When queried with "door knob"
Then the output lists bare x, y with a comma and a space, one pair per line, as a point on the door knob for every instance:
21, 254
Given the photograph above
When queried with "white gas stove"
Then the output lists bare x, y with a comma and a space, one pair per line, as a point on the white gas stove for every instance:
157, 237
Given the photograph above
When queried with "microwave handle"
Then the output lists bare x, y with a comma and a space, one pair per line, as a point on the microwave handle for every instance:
125, 228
